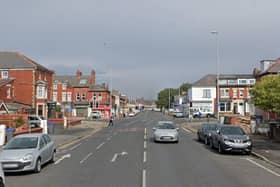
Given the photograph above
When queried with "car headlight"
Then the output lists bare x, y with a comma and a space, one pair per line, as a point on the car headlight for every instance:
28, 158
249, 142
227, 142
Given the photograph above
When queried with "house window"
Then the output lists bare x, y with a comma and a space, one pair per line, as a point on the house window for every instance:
64, 86
5, 74
63, 97
252, 81
100, 97
78, 97
225, 106
224, 92
241, 93
242, 81
206, 93
40, 92
69, 96
45, 76
55, 86
54, 96
83, 97
235, 93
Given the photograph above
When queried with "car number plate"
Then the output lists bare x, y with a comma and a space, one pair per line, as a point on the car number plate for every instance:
10, 165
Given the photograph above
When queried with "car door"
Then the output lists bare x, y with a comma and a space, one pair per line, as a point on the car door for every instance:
215, 137
43, 150
49, 146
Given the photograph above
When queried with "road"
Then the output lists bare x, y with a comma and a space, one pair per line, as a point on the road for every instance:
126, 156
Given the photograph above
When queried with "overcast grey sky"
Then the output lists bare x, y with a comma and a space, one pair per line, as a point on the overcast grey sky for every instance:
148, 44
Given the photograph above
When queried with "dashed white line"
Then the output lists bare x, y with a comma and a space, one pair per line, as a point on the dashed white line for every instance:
145, 157
145, 144
144, 178
261, 166
186, 130
145, 137
98, 147
62, 158
145, 131
114, 158
74, 147
86, 157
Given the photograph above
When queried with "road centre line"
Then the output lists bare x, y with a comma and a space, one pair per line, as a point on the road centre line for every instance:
145, 137
145, 157
145, 144
263, 167
145, 131
144, 180
74, 147
98, 147
86, 157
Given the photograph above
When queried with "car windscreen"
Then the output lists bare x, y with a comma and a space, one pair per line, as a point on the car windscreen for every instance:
165, 126
22, 143
211, 127
232, 131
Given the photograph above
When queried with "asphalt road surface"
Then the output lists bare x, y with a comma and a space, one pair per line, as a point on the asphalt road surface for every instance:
126, 156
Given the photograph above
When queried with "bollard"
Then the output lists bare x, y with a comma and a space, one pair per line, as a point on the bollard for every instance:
65, 122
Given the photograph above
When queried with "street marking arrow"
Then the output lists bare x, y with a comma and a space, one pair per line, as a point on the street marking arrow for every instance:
116, 155
62, 158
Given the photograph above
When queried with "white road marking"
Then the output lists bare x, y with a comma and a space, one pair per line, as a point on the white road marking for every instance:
62, 158
145, 144
144, 178
145, 157
261, 166
98, 147
114, 157
86, 157
187, 130
145, 131
109, 138
74, 147
145, 137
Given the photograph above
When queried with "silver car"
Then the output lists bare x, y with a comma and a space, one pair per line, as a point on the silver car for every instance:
165, 131
2, 177
27, 152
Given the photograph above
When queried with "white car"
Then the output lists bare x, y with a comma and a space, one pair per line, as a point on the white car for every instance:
165, 131
2, 177
131, 114
96, 114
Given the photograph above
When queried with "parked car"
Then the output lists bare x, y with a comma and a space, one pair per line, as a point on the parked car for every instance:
27, 152
35, 121
202, 114
205, 132
96, 114
165, 131
131, 114
178, 114
231, 138
2, 177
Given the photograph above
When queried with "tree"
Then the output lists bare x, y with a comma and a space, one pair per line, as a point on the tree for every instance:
163, 95
266, 94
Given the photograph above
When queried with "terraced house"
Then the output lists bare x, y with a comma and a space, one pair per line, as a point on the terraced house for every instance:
31, 83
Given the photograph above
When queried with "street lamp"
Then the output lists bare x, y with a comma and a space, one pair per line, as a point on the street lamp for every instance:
216, 33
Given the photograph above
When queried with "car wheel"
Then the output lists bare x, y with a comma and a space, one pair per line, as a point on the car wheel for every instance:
206, 141
53, 157
38, 166
220, 149
2, 183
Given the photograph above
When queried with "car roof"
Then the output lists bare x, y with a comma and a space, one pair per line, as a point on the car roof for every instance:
162, 122
29, 135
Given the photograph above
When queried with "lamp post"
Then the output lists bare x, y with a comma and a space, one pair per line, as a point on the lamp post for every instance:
216, 33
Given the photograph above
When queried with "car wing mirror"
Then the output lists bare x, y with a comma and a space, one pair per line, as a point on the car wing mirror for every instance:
218, 132
154, 129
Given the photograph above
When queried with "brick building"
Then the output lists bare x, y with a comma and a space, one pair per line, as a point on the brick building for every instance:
234, 96
32, 84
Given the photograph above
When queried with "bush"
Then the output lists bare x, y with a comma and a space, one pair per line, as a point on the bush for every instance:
19, 122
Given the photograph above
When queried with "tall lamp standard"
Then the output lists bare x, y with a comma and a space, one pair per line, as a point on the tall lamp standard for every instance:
216, 33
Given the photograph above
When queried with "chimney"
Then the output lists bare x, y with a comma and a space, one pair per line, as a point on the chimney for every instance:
92, 77
79, 74
265, 64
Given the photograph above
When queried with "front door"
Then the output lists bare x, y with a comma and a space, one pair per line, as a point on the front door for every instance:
241, 108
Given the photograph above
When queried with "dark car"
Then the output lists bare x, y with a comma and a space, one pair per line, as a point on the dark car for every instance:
205, 132
231, 138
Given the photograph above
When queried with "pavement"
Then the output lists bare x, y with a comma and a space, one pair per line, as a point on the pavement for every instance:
64, 136
125, 155
263, 147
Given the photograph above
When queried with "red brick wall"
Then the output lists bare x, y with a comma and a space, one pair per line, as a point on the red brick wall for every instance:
8, 119
23, 85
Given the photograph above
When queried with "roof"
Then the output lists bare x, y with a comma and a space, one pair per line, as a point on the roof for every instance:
236, 76
275, 68
98, 88
73, 81
16, 60
4, 82
208, 80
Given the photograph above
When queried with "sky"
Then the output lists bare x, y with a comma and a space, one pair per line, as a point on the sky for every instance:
143, 46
